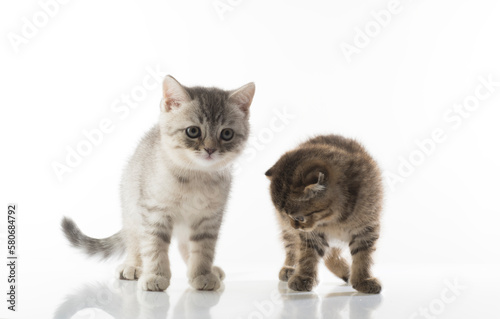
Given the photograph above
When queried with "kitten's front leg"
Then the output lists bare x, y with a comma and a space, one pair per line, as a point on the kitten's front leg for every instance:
155, 241
201, 272
312, 248
292, 243
362, 246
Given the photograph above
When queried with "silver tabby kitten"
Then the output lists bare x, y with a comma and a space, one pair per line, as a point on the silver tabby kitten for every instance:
177, 183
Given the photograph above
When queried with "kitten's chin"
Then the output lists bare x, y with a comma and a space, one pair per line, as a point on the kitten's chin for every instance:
210, 163
207, 162
196, 161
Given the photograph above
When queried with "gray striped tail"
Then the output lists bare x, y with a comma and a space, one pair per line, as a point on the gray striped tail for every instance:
104, 248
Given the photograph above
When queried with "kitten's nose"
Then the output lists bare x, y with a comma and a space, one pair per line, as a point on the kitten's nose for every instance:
299, 218
210, 151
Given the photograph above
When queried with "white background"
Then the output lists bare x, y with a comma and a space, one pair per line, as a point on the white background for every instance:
395, 90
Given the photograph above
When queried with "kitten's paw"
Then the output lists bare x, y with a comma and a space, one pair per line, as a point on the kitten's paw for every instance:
152, 282
209, 281
219, 272
128, 272
368, 286
301, 283
286, 272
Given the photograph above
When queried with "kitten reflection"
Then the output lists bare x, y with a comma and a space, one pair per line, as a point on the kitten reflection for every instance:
298, 304
333, 305
362, 306
196, 303
117, 299
123, 300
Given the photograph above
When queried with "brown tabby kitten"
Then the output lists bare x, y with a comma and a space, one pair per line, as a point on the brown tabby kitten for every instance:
328, 191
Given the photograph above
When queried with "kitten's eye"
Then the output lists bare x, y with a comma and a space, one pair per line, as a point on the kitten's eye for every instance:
193, 131
226, 134
316, 211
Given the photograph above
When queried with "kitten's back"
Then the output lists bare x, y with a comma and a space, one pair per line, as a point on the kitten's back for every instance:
337, 141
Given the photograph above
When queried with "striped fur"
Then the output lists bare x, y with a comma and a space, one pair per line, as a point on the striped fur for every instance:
328, 193
104, 248
173, 186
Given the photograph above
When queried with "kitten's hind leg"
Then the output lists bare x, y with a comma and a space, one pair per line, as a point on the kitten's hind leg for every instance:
286, 272
337, 264
131, 268
184, 250
128, 271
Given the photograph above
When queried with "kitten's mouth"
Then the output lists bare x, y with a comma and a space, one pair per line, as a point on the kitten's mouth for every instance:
208, 158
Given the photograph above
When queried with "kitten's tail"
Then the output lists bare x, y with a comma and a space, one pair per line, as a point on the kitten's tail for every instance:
104, 248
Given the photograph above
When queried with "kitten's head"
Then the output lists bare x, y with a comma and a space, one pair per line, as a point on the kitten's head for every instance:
301, 189
204, 128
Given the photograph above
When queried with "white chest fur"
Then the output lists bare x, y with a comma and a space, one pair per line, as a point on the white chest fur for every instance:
189, 193
337, 237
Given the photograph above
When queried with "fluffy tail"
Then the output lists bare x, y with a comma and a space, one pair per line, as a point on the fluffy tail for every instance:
104, 248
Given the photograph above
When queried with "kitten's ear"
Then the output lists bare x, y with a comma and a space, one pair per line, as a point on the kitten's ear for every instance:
173, 94
243, 96
311, 190
270, 172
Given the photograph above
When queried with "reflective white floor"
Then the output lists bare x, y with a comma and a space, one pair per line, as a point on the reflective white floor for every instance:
238, 300
409, 292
